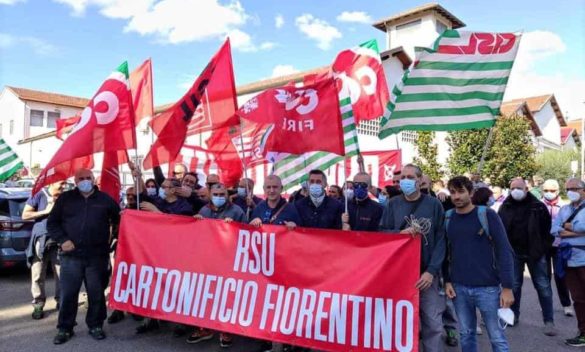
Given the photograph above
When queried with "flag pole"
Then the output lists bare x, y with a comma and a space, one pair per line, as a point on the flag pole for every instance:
244, 164
488, 143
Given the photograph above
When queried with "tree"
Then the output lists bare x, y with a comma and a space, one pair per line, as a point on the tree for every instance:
512, 153
466, 150
427, 154
556, 164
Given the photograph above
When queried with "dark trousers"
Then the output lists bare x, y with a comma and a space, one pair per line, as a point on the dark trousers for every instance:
576, 281
91, 271
562, 288
541, 281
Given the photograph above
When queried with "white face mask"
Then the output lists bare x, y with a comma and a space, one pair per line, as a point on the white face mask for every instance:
573, 196
550, 196
518, 194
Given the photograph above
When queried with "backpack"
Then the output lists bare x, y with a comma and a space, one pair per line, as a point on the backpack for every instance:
485, 229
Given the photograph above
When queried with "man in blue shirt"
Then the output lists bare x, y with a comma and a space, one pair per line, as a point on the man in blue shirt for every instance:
480, 267
319, 210
245, 197
275, 210
569, 226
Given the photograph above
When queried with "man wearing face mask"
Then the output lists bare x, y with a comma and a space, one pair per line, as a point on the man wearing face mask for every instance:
363, 213
319, 210
569, 226
167, 201
425, 186
528, 223
188, 191
553, 202
80, 223
245, 198
423, 208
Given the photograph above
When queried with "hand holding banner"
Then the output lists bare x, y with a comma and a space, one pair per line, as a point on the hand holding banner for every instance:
340, 291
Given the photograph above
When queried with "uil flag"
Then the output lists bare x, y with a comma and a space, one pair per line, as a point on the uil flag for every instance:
105, 125
141, 88
210, 104
360, 70
305, 119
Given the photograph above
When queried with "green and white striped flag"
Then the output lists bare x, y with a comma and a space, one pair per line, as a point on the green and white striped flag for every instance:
10, 163
458, 84
293, 169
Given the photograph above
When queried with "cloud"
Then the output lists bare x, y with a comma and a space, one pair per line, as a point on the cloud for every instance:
10, 2
283, 70
176, 21
279, 21
38, 46
318, 30
355, 17
541, 47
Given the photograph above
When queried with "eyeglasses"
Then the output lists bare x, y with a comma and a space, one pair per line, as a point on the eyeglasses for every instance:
178, 173
575, 189
360, 185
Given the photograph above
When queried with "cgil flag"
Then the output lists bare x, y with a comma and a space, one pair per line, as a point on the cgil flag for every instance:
458, 84
293, 169
10, 162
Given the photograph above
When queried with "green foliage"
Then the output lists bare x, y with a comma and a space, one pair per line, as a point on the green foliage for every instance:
427, 154
556, 164
466, 149
512, 153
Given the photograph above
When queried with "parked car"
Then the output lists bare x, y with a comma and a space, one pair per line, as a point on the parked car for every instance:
25, 183
15, 233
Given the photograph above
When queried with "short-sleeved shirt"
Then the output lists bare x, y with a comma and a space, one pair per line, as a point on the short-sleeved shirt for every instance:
39, 202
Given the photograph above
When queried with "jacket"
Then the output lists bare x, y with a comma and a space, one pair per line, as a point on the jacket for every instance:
538, 225
364, 215
87, 222
326, 216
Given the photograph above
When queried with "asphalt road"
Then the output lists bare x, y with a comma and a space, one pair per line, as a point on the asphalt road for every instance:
18, 332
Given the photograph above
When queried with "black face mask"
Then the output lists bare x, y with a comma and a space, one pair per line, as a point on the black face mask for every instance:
424, 190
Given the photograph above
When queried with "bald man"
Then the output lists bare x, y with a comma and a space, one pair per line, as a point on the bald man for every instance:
80, 223
528, 224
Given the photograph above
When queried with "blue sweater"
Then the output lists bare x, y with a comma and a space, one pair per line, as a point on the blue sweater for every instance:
474, 260
265, 213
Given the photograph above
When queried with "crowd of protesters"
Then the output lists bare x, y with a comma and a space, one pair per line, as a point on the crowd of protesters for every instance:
476, 240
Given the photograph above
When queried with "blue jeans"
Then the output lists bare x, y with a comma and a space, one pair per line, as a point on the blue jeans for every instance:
539, 273
487, 300
93, 272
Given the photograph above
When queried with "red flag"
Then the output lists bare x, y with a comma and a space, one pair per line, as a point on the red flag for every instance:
106, 125
141, 88
110, 176
210, 104
225, 154
305, 119
360, 69
389, 161
64, 126
250, 144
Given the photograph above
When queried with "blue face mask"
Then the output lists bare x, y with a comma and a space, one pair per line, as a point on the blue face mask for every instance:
217, 201
407, 186
85, 186
151, 191
491, 202
316, 190
162, 193
360, 193
242, 193
382, 198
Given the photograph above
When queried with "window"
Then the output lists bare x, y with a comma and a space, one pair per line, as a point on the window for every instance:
369, 127
11, 127
409, 26
52, 118
441, 27
36, 118
409, 136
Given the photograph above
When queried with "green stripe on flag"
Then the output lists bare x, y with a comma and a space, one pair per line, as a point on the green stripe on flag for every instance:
444, 112
405, 98
447, 81
464, 66
10, 163
438, 127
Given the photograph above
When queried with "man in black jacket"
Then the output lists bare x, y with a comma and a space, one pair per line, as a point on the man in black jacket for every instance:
363, 213
81, 223
528, 224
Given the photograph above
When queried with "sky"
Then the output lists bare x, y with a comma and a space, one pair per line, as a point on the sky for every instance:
71, 46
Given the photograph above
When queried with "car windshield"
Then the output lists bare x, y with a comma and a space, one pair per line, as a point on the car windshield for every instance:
12, 207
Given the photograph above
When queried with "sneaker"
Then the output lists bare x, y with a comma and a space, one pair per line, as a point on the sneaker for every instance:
38, 313
63, 336
116, 317
478, 330
451, 339
225, 340
200, 335
569, 311
148, 325
549, 329
578, 341
97, 333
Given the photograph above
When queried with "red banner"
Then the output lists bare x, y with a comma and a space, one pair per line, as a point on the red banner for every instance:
389, 161
323, 289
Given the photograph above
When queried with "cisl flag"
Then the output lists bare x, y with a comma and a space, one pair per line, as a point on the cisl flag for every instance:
360, 70
210, 104
105, 125
305, 119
